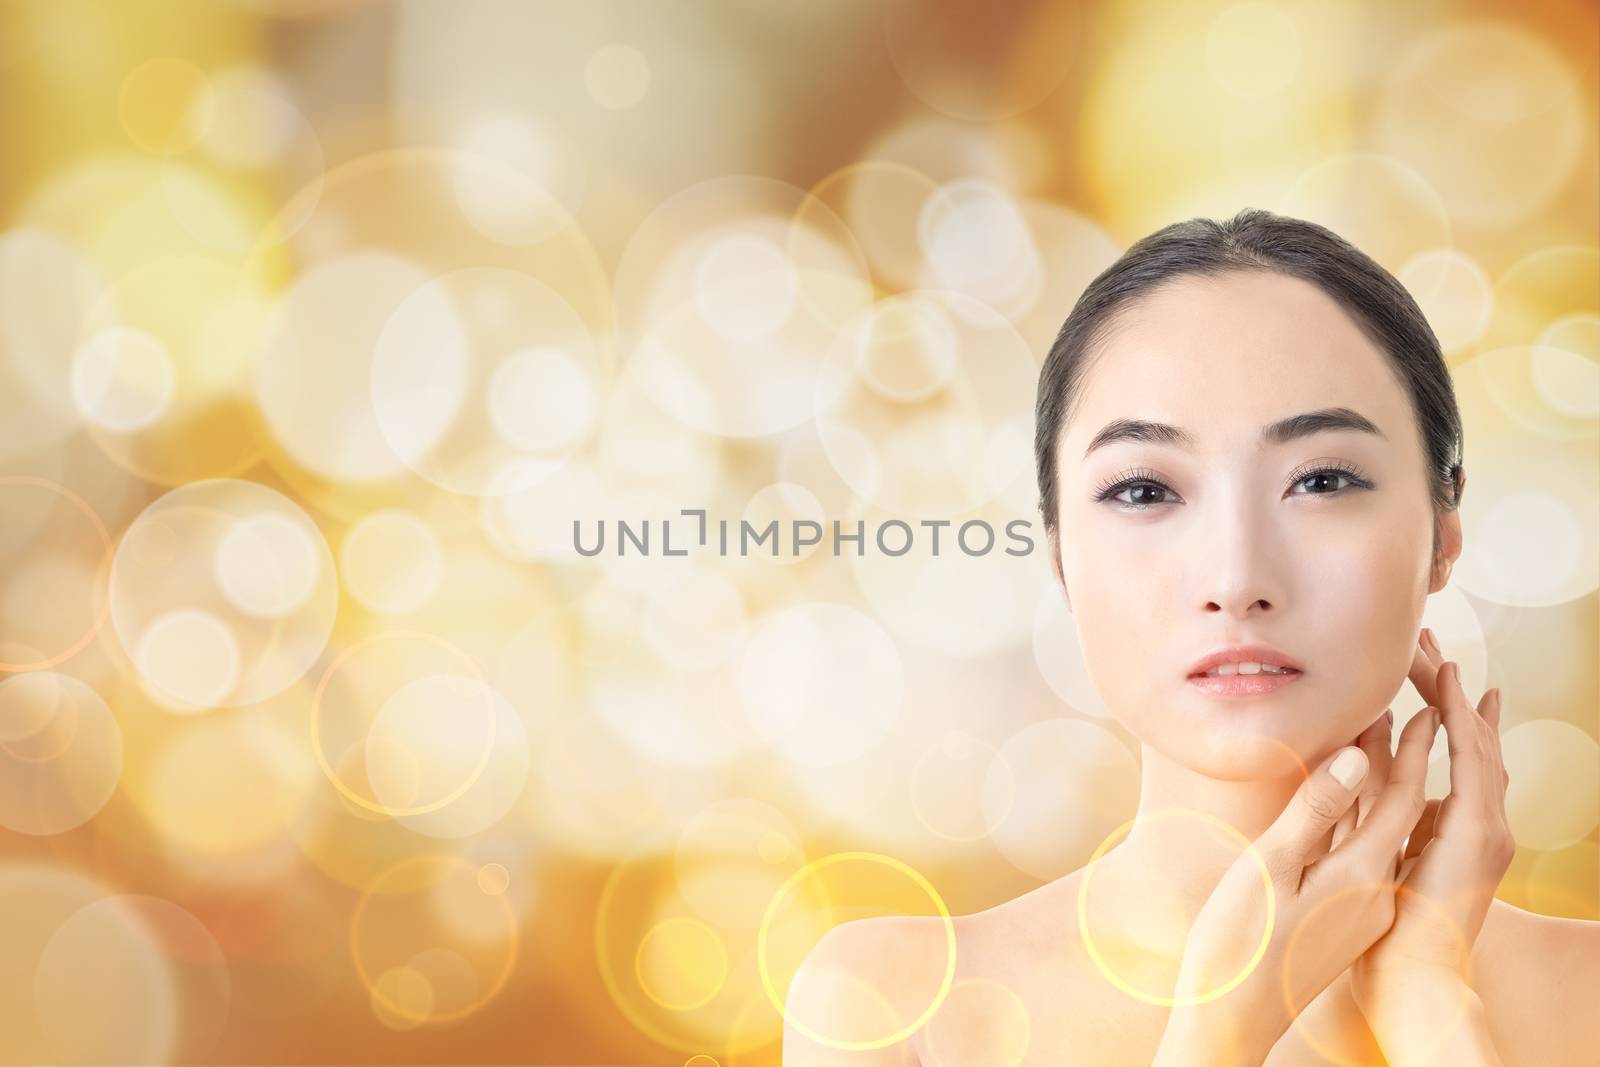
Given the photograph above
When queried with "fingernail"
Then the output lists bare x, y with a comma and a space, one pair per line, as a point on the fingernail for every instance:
1390, 716
1349, 767
1427, 635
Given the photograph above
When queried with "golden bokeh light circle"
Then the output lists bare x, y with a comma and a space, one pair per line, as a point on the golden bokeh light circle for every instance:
715, 949
638, 891
1156, 998
921, 883
333, 775
103, 608
383, 985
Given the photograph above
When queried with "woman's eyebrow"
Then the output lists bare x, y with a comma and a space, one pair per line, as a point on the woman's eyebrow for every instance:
1305, 424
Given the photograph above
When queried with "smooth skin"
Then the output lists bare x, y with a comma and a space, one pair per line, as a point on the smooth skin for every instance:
1234, 545
1398, 898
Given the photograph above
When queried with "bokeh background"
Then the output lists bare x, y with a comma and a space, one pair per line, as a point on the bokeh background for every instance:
322, 320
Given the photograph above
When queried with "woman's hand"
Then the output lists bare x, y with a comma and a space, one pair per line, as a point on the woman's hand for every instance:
1455, 857
1327, 906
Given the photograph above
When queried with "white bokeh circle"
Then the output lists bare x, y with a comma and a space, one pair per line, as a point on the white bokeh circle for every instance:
223, 592
820, 682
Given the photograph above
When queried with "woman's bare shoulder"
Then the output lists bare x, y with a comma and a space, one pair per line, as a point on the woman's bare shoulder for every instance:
1536, 975
1001, 928
871, 980
1053, 903
900, 954
916, 975
889, 946
1542, 944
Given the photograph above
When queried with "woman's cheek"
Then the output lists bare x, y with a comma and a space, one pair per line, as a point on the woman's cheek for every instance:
1366, 617
1122, 611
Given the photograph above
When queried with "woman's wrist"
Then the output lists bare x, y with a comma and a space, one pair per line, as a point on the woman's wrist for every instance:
1208, 1036
1433, 1023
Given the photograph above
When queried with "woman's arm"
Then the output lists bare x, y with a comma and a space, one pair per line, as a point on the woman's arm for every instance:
1204, 1036
1436, 1023
1539, 999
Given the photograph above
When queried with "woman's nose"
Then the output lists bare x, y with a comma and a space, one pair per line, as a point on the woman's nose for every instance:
1240, 571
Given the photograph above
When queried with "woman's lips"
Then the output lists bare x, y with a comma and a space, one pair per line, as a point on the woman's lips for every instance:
1243, 685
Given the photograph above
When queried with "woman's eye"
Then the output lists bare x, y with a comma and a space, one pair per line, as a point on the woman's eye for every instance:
1143, 494
1323, 478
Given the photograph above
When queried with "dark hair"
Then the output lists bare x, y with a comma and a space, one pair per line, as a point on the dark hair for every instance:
1259, 240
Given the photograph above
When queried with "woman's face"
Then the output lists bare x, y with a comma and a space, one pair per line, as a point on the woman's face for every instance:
1245, 544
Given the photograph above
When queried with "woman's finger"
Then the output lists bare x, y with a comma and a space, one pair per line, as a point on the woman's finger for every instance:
1471, 752
1427, 685
1295, 839
1492, 715
1424, 674
1374, 842
1375, 741
1489, 708
1342, 828
1422, 833
1430, 644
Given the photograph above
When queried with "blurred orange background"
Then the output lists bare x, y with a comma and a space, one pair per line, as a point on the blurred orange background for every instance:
322, 320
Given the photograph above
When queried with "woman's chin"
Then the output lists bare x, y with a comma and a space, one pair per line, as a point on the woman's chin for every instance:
1250, 753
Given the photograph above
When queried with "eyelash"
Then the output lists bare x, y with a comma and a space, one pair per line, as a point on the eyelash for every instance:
1142, 476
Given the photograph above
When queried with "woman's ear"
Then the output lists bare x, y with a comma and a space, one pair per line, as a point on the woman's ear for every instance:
1449, 539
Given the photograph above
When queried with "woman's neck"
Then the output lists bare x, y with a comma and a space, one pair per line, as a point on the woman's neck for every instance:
1148, 888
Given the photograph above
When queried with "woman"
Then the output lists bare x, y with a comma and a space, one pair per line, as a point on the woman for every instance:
1248, 449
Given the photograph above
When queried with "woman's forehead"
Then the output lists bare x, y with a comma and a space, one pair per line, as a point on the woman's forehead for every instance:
1230, 355
1256, 321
